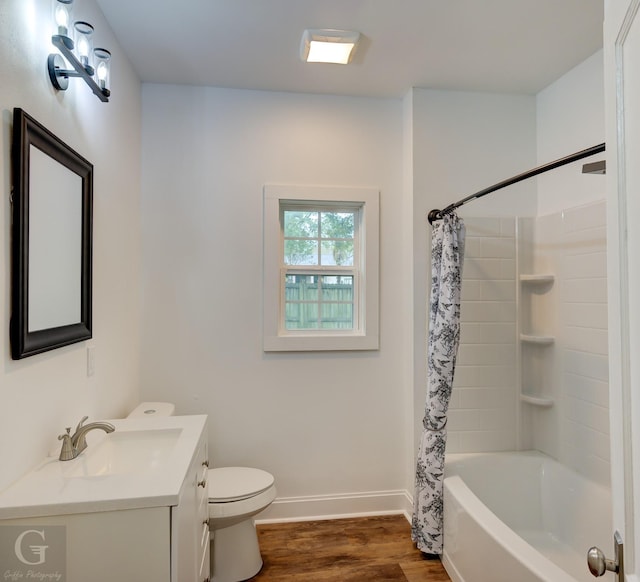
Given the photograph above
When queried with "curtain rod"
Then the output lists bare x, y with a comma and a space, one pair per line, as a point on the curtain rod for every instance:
437, 214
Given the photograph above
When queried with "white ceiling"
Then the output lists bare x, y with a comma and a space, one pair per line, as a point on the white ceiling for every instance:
513, 46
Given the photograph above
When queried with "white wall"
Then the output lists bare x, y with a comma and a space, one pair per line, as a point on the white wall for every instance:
408, 260
41, 395
464, 142
570, 118
322, 423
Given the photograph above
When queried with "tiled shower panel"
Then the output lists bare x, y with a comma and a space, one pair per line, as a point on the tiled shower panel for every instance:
482, 413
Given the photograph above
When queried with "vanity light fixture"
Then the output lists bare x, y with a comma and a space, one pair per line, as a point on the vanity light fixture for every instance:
78, 52
328, 46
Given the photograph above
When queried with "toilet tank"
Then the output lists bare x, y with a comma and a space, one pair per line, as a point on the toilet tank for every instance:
151, 409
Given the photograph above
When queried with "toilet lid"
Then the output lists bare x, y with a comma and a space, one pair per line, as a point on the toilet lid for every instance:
235, 483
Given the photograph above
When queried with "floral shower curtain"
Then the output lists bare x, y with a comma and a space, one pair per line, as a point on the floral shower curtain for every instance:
447, 254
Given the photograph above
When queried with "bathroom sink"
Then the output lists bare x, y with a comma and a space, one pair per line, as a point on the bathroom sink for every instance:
124, 452
142, 464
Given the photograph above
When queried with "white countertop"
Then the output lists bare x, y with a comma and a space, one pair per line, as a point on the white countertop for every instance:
48, 489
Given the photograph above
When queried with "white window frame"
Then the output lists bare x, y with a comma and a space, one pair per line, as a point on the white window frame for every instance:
364, 335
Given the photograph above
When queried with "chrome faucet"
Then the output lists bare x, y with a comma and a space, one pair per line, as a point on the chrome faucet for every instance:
73, 445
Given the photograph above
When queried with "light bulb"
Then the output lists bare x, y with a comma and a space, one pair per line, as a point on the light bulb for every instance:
83, 47
102, 73
102, 59
84, 44
62, 19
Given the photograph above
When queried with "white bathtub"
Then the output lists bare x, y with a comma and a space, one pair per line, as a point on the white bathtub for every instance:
521, 517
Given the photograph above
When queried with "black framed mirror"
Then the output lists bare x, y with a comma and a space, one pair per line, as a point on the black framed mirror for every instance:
51, 241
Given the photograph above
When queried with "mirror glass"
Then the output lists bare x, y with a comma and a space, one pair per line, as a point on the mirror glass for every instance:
55, 235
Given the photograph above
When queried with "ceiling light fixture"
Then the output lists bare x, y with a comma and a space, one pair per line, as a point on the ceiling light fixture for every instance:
328, 46
79, 53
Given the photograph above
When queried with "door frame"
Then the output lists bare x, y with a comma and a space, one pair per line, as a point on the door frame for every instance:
621, 21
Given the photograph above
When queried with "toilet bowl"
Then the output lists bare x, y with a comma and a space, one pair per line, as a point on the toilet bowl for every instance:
236, 494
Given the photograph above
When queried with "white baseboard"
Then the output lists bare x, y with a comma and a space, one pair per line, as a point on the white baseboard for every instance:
317, 507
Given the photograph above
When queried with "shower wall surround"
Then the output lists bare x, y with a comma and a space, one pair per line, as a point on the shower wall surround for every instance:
575, 430
495, 367
482, 413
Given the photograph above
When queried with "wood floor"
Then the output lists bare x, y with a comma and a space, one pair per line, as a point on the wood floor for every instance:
364, 549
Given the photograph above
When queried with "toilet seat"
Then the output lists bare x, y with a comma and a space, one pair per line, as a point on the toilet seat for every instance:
229, 484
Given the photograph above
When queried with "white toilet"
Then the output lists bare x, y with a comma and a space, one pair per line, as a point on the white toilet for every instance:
236, 494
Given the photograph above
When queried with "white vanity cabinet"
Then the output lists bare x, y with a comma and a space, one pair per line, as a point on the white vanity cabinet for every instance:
158, 536
128, 545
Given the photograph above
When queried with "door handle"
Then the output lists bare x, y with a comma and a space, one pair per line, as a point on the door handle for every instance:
599, 564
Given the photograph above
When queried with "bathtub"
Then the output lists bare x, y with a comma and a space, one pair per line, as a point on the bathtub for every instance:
521, 517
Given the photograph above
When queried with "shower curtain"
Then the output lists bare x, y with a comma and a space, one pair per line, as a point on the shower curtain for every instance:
447, 253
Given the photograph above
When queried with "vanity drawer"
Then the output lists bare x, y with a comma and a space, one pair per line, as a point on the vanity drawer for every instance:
204, 551
202, 513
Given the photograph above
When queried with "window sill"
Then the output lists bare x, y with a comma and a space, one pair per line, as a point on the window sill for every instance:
320, 343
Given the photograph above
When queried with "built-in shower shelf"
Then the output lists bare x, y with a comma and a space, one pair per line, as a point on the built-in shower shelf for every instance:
537, 401
541, 340
537, 279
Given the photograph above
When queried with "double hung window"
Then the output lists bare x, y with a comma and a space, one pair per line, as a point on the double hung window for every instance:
321, 268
